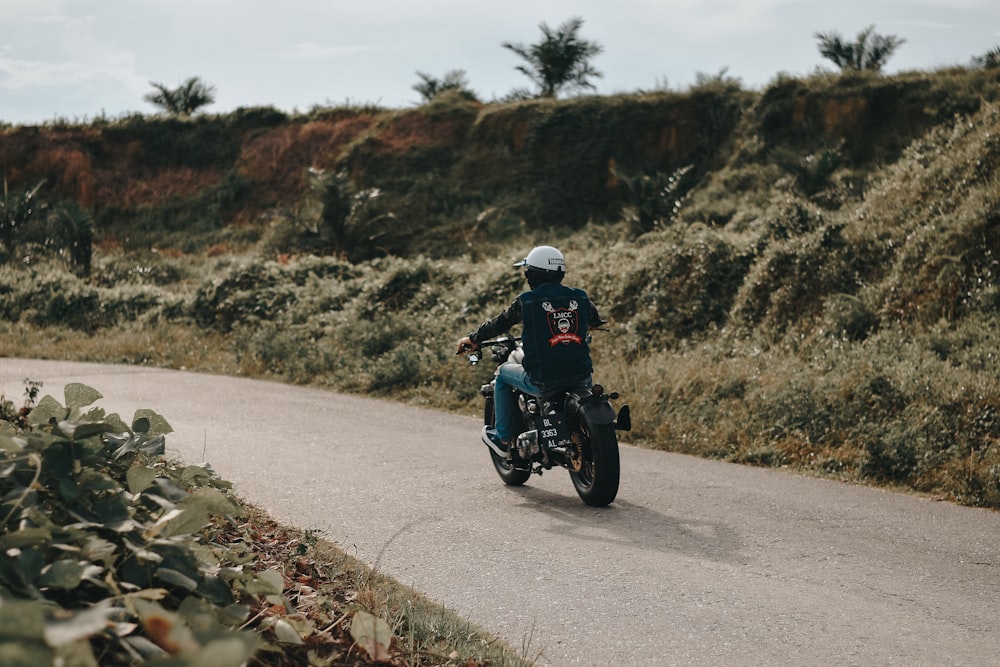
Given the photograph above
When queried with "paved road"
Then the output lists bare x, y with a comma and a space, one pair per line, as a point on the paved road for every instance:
697, 563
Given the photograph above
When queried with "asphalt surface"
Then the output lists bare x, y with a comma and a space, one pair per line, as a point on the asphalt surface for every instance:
697, 563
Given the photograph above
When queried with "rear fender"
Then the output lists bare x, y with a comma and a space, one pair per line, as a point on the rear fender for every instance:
581, 403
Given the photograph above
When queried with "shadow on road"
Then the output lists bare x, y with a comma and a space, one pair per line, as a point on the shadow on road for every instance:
627, 524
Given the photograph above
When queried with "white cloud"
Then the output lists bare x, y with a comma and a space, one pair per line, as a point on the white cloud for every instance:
17, 74
317, 51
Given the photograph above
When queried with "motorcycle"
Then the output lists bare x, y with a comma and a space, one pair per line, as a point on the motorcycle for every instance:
574, 428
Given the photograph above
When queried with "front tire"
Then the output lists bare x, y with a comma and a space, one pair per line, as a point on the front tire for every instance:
597, 480
510, 475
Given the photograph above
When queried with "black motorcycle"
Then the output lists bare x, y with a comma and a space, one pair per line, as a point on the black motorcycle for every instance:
573, 428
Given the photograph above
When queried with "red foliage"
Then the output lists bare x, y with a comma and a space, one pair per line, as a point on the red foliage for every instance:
280, 157
146, 187
419, 129
69, 169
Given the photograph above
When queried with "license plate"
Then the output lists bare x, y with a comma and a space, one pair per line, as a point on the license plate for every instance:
552, 431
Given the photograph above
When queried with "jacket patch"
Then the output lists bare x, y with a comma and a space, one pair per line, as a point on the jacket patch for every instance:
564, 323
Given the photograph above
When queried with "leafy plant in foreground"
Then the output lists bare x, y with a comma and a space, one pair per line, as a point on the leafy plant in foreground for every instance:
102, 556
110, 555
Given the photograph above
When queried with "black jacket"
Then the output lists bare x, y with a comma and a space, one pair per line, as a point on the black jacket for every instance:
554, 336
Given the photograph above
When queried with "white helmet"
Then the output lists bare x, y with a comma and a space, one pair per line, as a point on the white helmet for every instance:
544, 258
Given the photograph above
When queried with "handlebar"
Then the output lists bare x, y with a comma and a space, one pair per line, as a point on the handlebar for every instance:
506, 345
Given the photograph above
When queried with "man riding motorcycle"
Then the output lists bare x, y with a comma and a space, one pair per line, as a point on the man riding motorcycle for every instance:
554, 322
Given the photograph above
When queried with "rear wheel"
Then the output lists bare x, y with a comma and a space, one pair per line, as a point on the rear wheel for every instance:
597, 479
511, 475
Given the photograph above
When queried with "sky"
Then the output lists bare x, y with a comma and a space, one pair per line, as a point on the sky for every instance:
81, 59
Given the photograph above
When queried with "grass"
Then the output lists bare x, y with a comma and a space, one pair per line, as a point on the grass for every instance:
326, 582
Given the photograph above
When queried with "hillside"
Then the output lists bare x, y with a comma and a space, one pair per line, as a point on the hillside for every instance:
802, 277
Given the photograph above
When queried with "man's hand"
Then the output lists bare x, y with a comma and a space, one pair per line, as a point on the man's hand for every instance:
466, 345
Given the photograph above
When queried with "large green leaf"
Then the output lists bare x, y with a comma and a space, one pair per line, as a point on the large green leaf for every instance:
233, 650
80, 395
168, 630
26, 537
21, 620
18, 577
94, 480
47, 408
176, 578
76, 430
188, 521
196, 475
75, 654
150, 422
64, 574
25, 654
268, 582
115, 423
211, 501
79, 625
196, 510
372, 634
113, 512
139, 478
68, 488
285, 632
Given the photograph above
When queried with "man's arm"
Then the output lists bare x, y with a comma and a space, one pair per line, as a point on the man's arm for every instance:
499, 324
594, 320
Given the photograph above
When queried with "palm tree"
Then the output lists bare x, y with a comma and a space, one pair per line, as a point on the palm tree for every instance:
560, 61
183, 100
453, 81
988, 60
870, 51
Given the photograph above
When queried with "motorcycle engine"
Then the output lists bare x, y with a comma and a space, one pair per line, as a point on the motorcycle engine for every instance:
527, 444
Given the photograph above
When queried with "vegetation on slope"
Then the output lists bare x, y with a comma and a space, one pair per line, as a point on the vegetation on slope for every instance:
803, 277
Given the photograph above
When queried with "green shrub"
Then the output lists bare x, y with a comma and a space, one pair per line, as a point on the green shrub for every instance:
143, 268
135, 563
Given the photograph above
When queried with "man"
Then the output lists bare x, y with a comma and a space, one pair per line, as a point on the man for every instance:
554, 322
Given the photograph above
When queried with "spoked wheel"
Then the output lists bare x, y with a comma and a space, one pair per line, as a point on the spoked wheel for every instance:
512, 476
596, 466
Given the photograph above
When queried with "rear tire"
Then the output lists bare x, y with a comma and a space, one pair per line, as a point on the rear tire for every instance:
510, 475
598, 478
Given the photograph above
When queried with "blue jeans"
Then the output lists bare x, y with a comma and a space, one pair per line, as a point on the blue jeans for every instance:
509, 377
512, 376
